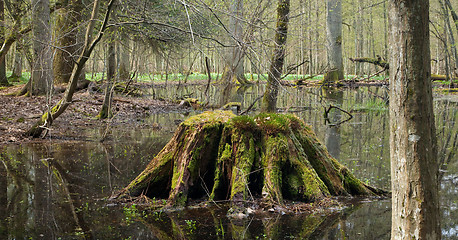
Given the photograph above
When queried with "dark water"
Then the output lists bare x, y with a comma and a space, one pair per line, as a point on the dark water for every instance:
58, 190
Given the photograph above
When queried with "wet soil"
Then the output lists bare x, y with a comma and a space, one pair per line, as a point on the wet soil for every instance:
20, 113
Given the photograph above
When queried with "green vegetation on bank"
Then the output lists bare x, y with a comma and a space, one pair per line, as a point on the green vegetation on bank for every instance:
196, 77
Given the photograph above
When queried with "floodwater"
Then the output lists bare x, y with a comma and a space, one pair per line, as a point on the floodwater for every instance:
58, 190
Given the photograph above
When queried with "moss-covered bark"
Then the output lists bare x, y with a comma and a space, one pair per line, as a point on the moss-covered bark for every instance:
220, 156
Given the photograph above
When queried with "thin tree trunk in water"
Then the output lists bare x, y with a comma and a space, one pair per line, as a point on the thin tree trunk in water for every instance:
41, 76
359, 41
334, 41
47, 118
414, 169
269, 102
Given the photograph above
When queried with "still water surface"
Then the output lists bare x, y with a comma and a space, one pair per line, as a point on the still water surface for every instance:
57, 190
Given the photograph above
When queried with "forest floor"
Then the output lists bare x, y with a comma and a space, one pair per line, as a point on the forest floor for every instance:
18, 114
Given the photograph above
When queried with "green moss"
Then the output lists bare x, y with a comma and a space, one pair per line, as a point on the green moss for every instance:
306, 184
232, 104
272, 123
225, 156
245, 123
244, 158
209, 117
176, 177
353, 185
275, 155
227, 153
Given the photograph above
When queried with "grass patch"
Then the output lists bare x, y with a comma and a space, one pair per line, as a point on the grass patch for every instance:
196, 77
372, 105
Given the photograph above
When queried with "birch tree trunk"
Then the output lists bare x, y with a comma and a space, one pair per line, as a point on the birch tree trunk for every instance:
42, 57
334, 41
269, 102
414, 165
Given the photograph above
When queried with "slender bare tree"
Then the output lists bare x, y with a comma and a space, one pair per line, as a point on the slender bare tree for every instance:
269, 102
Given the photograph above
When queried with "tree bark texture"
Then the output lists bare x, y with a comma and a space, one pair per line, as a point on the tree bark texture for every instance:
234, 70
67, 20
334, 41
269, 102
240, 158
42, 53
414, 165
3, 78
17, 65
124, 57
105, 111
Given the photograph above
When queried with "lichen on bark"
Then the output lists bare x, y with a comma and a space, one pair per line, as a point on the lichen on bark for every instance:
220, 156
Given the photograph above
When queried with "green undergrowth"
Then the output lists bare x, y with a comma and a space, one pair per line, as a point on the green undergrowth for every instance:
197, 77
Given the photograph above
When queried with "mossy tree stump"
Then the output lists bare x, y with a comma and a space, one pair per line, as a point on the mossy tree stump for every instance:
220, 156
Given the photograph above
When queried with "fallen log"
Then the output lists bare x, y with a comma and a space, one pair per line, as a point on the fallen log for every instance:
376, 61
380, 62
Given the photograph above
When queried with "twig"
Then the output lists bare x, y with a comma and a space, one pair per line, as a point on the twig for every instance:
293, 68
252, 104
336, 124
207, 65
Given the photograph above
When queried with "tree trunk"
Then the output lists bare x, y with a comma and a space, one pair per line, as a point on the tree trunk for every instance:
41, 76
234, 69
414, 166
359, 36
334, 41
269, 102
67, 20
105, 111
124, 57
239, 158
3, 78
17, 65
